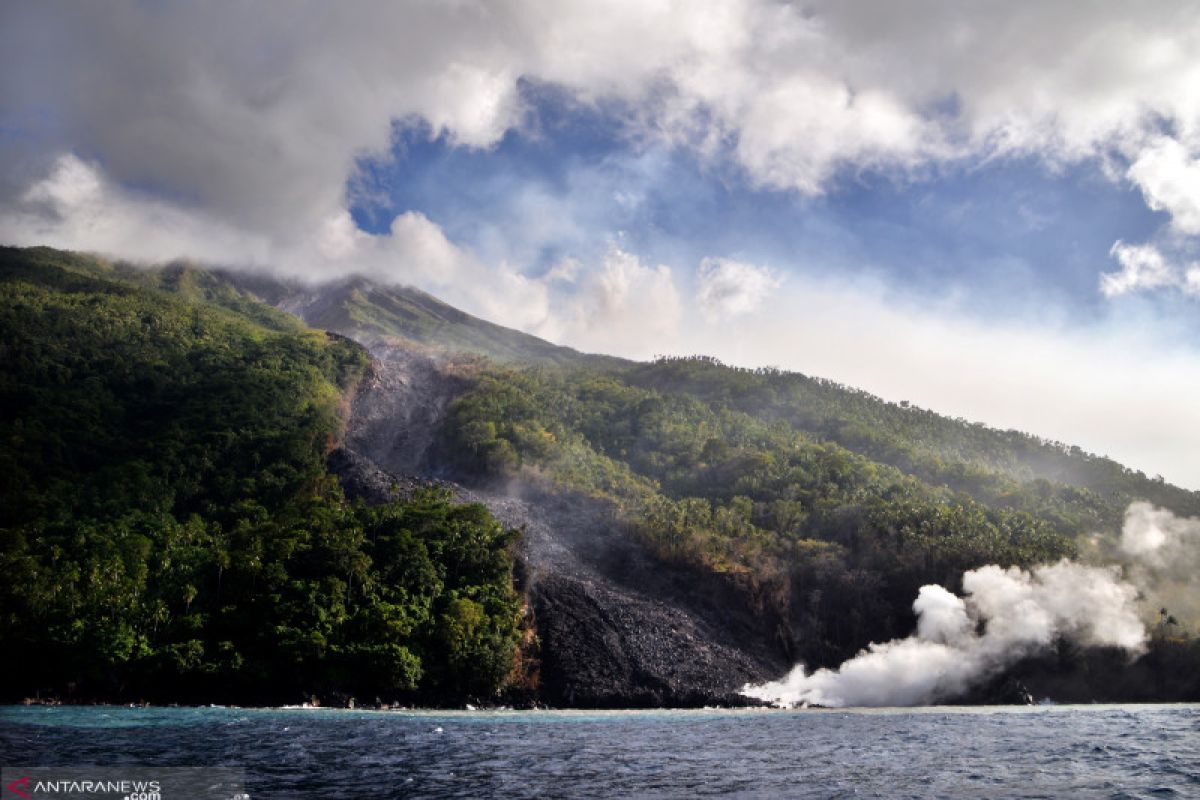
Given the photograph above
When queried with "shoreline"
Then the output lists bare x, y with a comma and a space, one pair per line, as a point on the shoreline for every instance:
509, 711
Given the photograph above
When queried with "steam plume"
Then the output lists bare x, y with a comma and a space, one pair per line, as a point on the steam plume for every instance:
1162, 556
1005, 615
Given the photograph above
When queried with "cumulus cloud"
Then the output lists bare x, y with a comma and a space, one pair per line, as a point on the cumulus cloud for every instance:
796, 134
728, 288
1191, 280
77, 206
260, 123
1142, 267
1169, 177
623, 306
1145, 267
257, 122
566, 271
416, 251
162, 131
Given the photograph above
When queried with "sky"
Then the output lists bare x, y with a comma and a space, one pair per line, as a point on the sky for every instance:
989, 209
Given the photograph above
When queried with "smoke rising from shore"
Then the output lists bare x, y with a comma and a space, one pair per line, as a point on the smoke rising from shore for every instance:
1162, 556
1008, 614
1005, 615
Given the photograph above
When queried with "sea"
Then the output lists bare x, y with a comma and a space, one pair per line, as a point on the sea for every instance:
1126, 751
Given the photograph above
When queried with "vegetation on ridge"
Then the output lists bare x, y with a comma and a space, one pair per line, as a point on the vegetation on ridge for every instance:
714, 469
992, 465
168, 529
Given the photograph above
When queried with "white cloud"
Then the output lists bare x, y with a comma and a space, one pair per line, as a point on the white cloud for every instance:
1191, 280
624, 307
1145, 267
241, 131
1169, 177
420, 246
260, 123
1142, 267
727, 288
794, 135
565, 271
78, 207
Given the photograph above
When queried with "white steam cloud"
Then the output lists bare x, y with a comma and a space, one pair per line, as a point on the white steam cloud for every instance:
1162, 552
1008, 614
1018, 613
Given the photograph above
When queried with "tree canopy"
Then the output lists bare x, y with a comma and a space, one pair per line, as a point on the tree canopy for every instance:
167, 523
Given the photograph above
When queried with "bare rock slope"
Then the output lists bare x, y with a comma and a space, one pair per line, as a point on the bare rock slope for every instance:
616, 628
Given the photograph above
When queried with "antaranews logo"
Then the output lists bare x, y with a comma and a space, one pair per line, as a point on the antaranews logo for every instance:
122, 783
127, 789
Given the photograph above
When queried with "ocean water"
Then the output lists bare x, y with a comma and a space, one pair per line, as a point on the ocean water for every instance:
1052, 752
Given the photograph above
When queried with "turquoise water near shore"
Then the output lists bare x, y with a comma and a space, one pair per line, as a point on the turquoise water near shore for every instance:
1056, 751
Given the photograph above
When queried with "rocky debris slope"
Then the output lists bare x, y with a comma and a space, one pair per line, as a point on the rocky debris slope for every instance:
607, 647
616, 627
362, 478
400, 407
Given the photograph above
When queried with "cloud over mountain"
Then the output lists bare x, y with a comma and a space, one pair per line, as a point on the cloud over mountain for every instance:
239, 137
257, 121
728, 288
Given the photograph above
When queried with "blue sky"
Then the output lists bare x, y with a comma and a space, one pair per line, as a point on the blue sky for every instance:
990, 210
1007, 237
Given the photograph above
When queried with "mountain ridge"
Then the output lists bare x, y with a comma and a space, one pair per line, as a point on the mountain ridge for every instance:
647, 490
366, 309
1040, 458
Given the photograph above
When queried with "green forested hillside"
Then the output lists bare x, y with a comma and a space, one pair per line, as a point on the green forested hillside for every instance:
989, 463
167, 525
994, 466
833, 542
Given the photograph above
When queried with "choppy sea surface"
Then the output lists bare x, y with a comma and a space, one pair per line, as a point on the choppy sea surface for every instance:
1052, 752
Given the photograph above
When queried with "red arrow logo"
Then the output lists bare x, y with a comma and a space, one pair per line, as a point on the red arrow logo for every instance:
20, 786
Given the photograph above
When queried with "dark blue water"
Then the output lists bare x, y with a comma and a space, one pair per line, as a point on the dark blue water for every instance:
1053, 752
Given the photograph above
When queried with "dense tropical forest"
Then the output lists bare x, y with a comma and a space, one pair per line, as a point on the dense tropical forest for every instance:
168, 529
829, 507
846, 539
